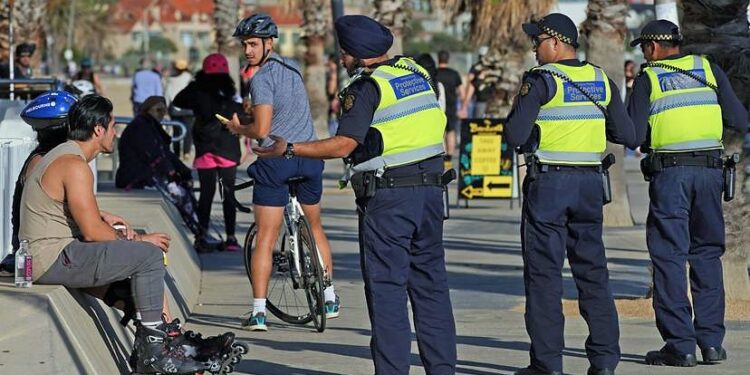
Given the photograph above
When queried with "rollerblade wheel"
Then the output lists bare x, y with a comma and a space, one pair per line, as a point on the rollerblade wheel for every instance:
214, 367
241, 348
227, 369
236, 360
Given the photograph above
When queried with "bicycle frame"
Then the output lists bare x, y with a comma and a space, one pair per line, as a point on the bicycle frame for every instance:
292, 213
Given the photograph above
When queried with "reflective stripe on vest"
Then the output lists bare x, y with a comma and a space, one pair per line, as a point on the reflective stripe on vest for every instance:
571, 127
684, 114
407, 117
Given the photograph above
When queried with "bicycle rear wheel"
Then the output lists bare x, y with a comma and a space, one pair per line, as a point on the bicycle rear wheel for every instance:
283, 299
312, 275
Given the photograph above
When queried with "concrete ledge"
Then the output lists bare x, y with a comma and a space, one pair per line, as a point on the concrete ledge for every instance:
49, 329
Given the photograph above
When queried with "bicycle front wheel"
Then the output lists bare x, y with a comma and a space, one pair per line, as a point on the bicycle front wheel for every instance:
312, 275
284, 299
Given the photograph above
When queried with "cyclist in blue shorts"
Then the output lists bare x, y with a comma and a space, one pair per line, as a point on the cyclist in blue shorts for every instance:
280, 107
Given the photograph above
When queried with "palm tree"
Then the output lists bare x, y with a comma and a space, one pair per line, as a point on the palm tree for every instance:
604, 33
226, 17
719, 29
316, 26
395, 15
497, 24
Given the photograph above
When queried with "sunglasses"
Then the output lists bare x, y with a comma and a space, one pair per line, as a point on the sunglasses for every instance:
536, 40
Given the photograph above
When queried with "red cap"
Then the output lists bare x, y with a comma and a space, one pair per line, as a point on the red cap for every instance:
215, 63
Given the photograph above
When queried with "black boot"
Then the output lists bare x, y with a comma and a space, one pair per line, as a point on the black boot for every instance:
600, 371
714, 354
666, 357
154, 354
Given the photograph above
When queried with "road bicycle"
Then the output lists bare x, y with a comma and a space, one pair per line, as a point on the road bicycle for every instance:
297, 267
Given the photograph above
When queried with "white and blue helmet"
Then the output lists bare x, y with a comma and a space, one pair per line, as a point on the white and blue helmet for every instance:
49, 110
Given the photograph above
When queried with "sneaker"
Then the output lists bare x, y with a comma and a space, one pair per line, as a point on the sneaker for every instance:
206, 244
231, 244
256, 322
332, 308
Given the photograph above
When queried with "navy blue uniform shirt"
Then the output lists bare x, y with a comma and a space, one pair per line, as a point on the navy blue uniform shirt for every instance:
522, 117
355, 122
733, 114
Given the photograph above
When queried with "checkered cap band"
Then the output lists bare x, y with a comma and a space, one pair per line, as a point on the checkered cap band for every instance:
554, 33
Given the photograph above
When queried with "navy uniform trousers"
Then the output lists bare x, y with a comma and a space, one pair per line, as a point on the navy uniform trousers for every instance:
685, 223
402, 255
563, 211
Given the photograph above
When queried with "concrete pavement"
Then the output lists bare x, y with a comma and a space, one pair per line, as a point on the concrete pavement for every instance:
485, 274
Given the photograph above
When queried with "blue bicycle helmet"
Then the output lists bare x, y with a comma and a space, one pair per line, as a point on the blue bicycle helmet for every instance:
48, 110
259, 25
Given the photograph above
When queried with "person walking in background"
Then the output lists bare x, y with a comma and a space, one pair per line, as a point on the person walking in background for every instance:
475, 90
629, 69
680, 105
451, 81
87, 74
217, 151
146, 82
176, 82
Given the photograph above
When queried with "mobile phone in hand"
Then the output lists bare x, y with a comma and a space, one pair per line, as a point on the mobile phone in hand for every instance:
223, 120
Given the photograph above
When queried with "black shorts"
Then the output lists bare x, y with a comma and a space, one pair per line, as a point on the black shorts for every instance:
452, 122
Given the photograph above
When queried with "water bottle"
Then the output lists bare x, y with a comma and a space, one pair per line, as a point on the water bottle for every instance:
23, 266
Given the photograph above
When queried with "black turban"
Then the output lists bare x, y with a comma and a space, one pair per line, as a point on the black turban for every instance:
362, 36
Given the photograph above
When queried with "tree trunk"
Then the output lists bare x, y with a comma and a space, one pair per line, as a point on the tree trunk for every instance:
604, 31
719, 29
315, 80
226, 17
395, 15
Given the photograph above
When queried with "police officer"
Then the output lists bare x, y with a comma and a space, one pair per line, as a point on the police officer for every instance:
576, 109
391, 129
679, 104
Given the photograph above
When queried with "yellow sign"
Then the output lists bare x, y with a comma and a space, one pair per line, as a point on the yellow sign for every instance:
485, 154
497, 186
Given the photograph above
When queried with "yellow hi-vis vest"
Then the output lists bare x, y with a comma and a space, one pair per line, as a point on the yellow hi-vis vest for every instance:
408, 116
685, 114
571, 127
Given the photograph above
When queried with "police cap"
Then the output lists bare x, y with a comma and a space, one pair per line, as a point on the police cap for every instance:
555, 24
658, 31
362, 36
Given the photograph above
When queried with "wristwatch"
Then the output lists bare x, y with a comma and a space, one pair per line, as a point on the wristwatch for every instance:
289, 153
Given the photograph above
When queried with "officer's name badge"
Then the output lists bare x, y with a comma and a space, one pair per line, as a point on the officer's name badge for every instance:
348, 102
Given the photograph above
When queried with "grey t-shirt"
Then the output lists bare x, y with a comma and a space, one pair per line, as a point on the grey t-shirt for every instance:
283, 88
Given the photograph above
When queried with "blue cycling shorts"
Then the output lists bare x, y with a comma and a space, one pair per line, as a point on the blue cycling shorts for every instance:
271, 175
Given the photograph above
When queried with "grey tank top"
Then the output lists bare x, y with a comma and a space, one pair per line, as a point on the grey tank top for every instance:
46, 223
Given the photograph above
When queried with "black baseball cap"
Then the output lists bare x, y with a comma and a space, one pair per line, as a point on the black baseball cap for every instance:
659, 30
555, 24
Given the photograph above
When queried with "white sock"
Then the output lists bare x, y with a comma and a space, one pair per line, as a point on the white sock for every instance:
259, 305
330, 295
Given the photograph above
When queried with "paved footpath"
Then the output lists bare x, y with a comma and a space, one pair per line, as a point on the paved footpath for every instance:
485, 274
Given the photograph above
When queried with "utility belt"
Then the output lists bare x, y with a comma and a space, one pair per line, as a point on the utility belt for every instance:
534, 167
365, 184
655, 162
